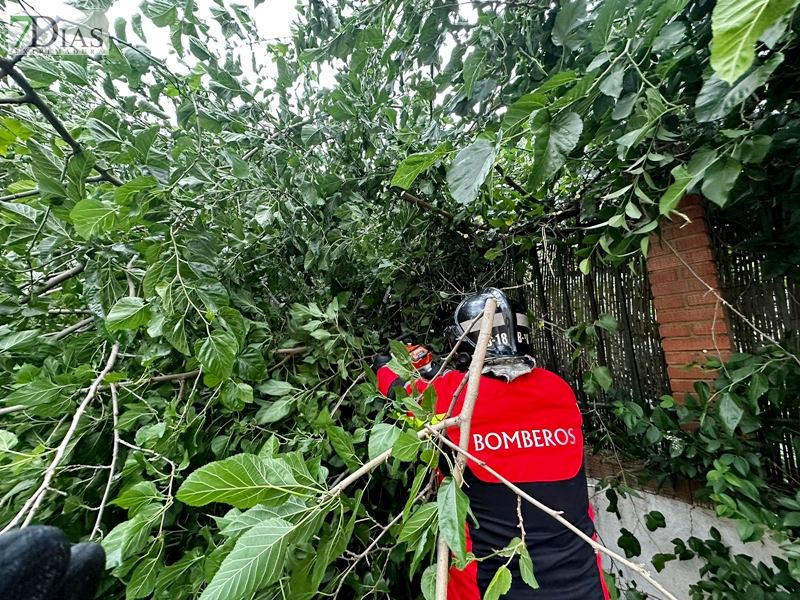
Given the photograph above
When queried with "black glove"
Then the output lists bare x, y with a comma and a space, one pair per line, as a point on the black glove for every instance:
381, 361
37, 563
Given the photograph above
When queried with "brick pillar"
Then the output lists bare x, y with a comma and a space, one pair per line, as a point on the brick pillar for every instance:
685, 309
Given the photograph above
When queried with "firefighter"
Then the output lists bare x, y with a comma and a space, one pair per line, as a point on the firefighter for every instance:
527, 427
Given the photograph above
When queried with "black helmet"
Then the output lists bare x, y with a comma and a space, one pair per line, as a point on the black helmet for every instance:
511, 331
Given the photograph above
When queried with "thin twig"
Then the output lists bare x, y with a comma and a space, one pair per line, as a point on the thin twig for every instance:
114, 454
71, 329
54, 281
347, 391
456, 345
382, 458
457, 393
34, 502
11, 409
425, 205
374, 543
553, 513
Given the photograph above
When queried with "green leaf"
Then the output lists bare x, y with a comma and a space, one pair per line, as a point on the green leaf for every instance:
40, 391
421, 521
569, 18
415, 164
473, 69
79, 168
429, 583
452, 506
382, 438
143, 579
603, 377
257, 560
469, 170
129, 191
239, 168
242, 481
729, 413
163, 13
758, 386
7, 440
128, 313
720, 178
93, 218
174, 332
406, 446
522, 109
655, 520
499, 585
235, 523
554, 140
236, 395
526, 567
217, 353
273, 387
601, 32
138, 496
275, 411
611, 85
129, 537
105, 135
737, 25
343, 446
717, 98
669, 201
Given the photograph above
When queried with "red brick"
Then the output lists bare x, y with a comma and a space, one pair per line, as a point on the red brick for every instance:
664, 276
720, 328
704, 268
689, 343
692, 242
681, 386
673, 331
693, 374
685, 316
706, 297
680, 359
657, 248
677, 287
667, 302
698, 226
693, 257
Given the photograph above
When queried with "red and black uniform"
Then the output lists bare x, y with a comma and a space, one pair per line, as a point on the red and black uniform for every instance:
529, 431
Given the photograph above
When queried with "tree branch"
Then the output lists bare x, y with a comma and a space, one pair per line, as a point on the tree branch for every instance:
425, 205
34, 502
465, 425
473, 386
114, 454
511, 183
18, 100
553, 513
36, 100
54, 281
37, 191
71, 329
12, 409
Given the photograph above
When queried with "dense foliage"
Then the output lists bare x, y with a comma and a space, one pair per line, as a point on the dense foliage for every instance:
242, 241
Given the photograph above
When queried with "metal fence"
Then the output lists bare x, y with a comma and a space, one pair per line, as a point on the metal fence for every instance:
561, 296
771, 304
